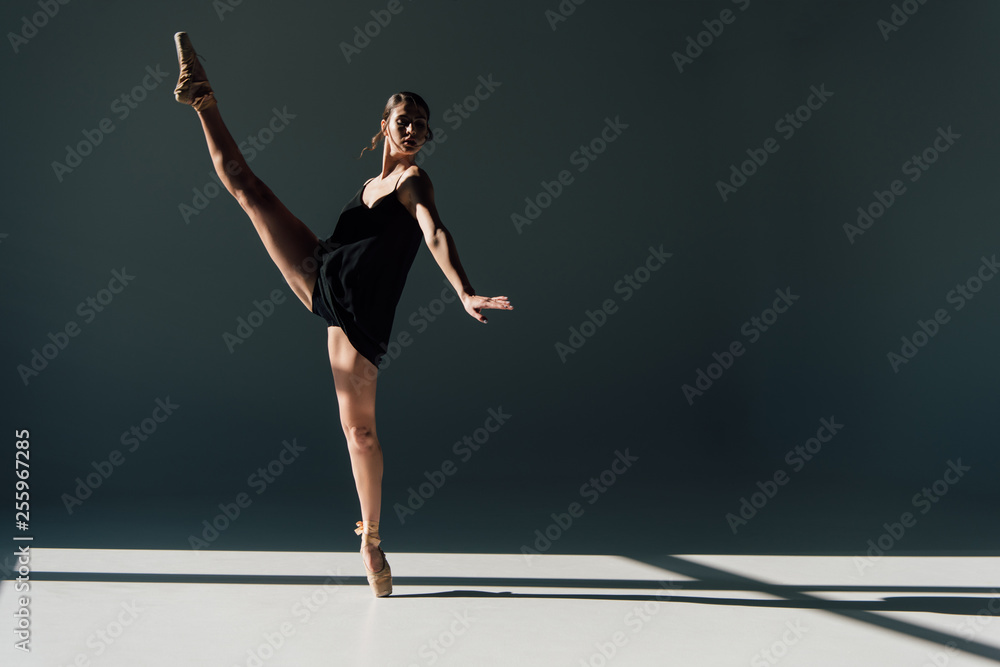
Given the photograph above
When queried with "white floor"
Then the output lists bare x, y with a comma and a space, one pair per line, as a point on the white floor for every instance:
252, 609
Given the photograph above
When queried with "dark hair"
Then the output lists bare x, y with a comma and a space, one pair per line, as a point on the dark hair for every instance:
394, 101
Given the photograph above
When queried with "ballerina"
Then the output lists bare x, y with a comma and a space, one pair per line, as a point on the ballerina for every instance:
353, 279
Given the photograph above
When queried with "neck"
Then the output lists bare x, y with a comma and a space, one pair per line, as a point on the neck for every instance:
393, 161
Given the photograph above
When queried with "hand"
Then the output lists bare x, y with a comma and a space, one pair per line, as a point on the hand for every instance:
474, 303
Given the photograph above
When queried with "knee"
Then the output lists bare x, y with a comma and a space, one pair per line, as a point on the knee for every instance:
361, 438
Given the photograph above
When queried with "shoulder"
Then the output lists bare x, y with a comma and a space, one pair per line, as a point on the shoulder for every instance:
416, 193
415, 178
415, 187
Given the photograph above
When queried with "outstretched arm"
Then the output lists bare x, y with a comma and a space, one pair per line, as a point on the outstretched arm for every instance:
420, 202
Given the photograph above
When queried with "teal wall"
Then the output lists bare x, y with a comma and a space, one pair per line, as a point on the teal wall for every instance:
640, 233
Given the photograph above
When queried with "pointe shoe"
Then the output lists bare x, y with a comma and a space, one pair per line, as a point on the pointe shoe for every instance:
381, 581
192, 85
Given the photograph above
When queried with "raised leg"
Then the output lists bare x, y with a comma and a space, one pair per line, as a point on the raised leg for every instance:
353, 376
291, 245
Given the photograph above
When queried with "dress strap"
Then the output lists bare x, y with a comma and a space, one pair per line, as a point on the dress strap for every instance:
397, 181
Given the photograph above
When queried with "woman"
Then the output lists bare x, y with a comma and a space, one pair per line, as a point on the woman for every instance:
352, 280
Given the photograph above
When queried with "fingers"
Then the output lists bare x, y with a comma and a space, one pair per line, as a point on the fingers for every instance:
500, 302
495, 302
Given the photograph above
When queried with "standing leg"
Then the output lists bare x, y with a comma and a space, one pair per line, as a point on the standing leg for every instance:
352, 375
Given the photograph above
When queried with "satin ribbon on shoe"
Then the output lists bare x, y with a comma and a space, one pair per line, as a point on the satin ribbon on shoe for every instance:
372, 536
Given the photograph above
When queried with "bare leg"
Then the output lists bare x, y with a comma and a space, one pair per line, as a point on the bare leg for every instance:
352, 375
289, 242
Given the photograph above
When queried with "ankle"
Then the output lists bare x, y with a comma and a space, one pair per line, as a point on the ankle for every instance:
204, 102
369, 532
366, 527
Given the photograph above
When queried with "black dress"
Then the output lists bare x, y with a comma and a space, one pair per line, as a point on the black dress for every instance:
363, 270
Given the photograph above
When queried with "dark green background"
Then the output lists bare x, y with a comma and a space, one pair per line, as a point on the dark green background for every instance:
656, 184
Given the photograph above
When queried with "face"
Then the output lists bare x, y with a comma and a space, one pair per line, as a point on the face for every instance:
406, 129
